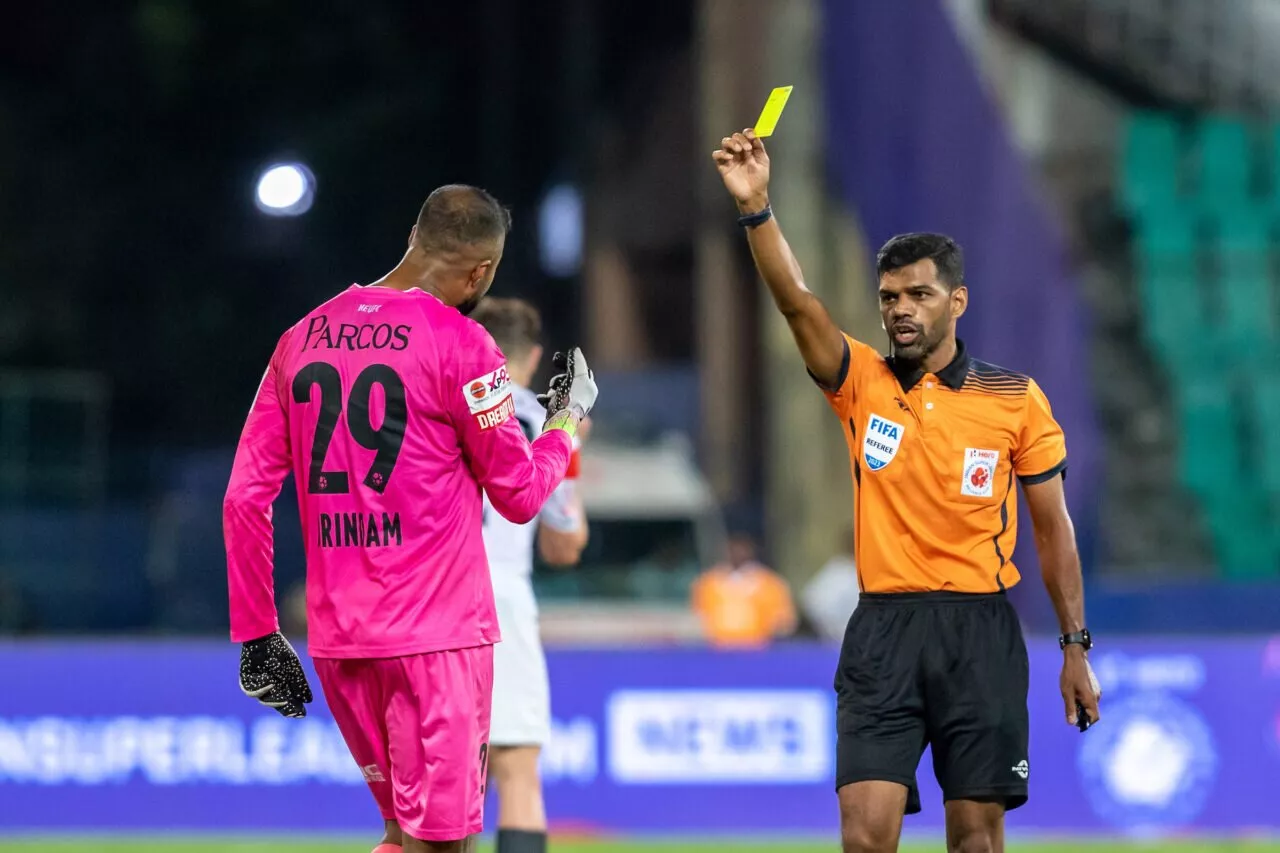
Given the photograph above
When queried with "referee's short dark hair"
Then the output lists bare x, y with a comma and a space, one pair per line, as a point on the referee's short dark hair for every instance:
457, 217
515, 325
905, 249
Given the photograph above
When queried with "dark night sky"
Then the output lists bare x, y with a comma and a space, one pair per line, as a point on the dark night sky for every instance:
131, 136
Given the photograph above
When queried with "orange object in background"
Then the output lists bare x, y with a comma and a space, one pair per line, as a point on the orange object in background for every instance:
743, 603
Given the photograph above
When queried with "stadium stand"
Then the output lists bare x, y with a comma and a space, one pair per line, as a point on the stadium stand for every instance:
1203, 197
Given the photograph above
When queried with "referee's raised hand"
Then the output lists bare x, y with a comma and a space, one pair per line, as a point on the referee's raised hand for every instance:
744, 167
1079, 687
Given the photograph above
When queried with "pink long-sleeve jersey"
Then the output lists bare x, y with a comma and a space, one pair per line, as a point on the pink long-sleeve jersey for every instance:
393, 411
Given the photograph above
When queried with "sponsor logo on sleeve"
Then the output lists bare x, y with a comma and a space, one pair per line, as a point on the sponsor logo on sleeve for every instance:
498, 415
979, 472
489, 398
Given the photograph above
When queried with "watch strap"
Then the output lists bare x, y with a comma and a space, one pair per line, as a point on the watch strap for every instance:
1076, 638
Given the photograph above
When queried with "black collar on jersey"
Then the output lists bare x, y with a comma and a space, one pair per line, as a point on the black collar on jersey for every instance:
953, 375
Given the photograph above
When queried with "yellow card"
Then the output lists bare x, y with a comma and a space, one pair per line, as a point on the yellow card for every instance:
772, 111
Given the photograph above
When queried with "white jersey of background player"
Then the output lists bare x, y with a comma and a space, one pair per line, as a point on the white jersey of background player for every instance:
521, 720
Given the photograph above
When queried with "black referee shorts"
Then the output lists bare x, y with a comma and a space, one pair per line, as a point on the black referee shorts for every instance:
934, 668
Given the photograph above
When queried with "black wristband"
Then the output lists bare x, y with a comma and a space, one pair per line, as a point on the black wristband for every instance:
751, 220
1076, 638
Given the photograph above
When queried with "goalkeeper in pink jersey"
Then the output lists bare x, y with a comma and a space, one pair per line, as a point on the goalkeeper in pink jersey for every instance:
394, 412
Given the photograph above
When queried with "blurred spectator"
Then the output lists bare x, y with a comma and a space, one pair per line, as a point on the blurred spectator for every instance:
665, 575
831, 595
743, 603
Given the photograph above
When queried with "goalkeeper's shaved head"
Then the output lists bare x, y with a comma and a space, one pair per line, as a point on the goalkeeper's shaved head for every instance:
461, 219
456, 245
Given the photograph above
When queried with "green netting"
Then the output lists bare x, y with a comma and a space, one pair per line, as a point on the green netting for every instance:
1266, 406
1243, 537
1166, 264
1209, 454
1225, 158
1203, 265
1243, 285
1151, 162
1172, 317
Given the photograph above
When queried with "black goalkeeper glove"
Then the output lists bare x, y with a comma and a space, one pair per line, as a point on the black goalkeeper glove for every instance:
551, 400
271, 673
573, 388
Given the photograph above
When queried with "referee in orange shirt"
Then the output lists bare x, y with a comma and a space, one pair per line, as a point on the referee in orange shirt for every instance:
934, 654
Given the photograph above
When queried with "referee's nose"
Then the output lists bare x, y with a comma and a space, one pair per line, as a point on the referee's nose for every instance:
903, 310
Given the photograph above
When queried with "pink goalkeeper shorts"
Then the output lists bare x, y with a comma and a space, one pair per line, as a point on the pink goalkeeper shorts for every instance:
418, 726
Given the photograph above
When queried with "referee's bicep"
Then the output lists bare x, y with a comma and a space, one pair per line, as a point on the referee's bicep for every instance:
1042, 446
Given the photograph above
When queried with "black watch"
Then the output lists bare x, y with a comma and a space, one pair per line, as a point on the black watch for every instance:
1078, 638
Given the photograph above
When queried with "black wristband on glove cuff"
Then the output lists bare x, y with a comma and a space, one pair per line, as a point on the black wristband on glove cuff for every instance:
751, 220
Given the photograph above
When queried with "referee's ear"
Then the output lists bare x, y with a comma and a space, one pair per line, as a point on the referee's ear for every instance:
959, 301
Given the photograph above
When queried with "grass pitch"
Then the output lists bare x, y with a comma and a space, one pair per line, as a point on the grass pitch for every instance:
285, 844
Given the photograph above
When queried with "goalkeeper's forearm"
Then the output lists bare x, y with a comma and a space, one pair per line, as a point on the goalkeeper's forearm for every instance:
819, 339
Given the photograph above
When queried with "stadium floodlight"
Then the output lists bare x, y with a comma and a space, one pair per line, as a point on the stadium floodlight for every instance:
285, 189
560, 231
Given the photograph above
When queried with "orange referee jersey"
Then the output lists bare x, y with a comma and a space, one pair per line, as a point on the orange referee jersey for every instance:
933, 459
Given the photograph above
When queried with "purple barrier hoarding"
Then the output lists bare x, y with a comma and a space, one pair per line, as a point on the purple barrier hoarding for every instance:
155, 736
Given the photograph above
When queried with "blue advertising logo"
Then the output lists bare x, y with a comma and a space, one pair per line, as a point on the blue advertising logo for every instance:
668, 741
173, 750
735, 737
1151, 764
570, 753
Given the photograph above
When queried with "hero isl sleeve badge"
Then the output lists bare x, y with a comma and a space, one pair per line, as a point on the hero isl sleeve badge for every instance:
979, 472
489, 398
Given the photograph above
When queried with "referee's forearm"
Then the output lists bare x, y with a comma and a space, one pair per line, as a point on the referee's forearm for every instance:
777, 263
1060, 567
819, 339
